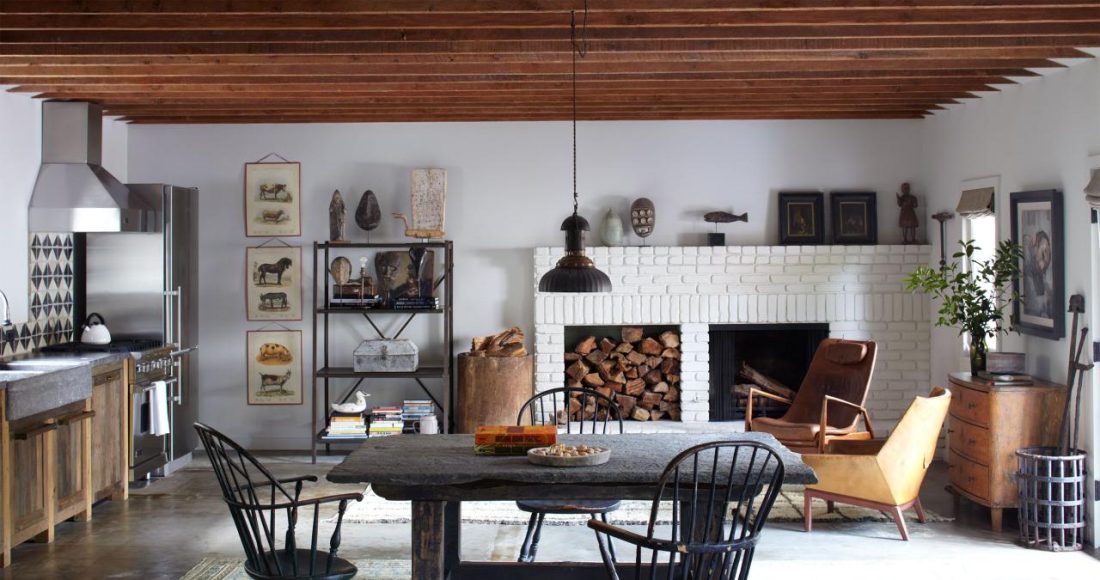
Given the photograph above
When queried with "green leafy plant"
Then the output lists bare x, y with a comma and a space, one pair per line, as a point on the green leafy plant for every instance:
972, 300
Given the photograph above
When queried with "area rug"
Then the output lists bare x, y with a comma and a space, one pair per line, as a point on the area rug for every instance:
232, 569
787, 508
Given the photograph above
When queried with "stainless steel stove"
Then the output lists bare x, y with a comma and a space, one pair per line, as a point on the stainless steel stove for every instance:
150, 361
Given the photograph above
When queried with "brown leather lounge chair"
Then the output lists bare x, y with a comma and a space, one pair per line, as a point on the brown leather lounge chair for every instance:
882, 474
828, 404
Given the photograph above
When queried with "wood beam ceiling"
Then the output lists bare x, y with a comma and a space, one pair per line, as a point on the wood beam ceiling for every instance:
230, 61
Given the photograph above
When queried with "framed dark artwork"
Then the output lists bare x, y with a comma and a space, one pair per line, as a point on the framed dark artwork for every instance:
1037, 220
801, 218
854, 217
405, 274
272, 204
274, 364
273, 282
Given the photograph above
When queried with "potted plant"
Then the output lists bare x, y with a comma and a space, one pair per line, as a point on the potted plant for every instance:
974, 299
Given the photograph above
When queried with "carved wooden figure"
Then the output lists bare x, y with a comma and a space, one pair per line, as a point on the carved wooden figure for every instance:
907, 218
336, 218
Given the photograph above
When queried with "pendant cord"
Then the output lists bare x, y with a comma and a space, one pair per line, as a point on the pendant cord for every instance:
574, 49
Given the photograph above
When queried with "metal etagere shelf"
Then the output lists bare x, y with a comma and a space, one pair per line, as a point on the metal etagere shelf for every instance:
326, 375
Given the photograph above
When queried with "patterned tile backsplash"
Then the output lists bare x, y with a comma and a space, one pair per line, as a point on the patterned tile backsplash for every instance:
51, 294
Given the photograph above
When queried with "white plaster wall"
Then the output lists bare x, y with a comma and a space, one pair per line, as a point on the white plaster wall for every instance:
1039, 135
509, 189
20, 154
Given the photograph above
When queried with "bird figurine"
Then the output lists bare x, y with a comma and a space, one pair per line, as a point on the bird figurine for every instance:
358, 406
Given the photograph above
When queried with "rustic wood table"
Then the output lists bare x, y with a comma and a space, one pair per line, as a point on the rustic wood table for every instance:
438, 472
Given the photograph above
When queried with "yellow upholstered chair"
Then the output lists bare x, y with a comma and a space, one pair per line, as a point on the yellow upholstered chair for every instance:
882, 474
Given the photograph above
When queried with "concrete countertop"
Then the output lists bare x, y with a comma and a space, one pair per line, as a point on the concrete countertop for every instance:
60, 379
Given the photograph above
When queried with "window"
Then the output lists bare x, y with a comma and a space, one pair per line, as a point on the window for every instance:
983, 230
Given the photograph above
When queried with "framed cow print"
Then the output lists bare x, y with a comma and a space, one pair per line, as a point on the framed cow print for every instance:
272, 199
273, 282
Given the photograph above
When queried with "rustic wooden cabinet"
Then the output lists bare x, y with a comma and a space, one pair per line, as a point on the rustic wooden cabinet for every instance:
987, 424
110, 432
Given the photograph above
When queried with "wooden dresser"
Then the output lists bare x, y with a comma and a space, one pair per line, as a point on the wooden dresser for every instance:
987, 424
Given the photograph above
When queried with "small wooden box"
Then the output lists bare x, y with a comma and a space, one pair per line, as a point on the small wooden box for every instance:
513, 440
386, 356
1005, 363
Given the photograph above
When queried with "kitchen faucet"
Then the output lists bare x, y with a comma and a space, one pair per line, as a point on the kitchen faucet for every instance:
6, 326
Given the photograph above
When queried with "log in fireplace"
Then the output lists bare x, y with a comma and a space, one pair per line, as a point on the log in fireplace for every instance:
781, 352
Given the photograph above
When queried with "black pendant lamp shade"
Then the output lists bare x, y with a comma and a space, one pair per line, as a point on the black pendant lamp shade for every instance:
575, 272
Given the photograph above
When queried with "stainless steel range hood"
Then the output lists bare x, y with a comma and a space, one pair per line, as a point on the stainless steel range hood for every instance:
74, 193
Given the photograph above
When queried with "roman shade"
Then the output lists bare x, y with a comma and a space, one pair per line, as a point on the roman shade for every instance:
976, 202
1092, 190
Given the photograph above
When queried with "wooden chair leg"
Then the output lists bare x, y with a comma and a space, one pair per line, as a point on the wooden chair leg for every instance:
807, 512
830, 506
920, 511
525, 549
899, 519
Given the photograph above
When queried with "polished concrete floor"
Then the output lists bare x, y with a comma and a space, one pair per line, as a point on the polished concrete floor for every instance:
168, 527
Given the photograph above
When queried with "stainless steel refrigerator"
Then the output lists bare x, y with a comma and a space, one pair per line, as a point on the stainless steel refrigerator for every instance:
146, 285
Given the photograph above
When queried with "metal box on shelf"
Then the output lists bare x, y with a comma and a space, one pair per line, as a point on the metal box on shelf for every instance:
386, 356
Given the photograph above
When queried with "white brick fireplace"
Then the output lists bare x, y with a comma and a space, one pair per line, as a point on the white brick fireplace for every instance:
857, 290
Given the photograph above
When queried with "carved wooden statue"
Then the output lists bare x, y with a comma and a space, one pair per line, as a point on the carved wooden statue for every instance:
907, 218
336, 218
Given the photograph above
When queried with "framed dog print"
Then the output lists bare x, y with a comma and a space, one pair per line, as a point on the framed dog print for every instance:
272, 200
274, 367
801, 218
1037, 228
273, 287
854, 217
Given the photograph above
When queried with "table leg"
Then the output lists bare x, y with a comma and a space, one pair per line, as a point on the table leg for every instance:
452, 536
427, 540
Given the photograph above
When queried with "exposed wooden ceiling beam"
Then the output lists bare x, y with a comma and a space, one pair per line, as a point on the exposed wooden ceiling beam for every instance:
408, 60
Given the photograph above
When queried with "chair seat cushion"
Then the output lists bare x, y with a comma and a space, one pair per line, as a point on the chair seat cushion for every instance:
565, 506
787, 431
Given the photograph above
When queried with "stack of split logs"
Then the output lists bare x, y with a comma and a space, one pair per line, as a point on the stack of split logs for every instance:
761, 382
641, 374
508, 343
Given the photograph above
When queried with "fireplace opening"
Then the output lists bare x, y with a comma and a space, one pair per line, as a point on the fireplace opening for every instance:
638, 367
779, 353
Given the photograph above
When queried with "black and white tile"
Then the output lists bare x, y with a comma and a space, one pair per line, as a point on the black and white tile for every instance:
51, 294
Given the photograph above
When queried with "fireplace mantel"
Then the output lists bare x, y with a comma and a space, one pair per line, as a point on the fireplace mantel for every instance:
857, 290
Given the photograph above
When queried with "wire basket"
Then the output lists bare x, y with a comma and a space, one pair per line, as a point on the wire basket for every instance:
1052, 499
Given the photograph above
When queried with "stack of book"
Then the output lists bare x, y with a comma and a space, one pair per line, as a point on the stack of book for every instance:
414, 410
346, 425
385, 421
422, 303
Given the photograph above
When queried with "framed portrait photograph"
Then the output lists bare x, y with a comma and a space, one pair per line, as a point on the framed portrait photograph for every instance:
273, 283
274, 367
1037, 221
801, 218
854, 217
272, 200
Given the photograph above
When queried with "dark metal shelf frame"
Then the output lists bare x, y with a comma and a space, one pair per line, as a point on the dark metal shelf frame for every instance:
324, 374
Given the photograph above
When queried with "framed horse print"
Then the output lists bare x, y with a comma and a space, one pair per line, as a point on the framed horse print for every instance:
272, 199
273, 282
274, 367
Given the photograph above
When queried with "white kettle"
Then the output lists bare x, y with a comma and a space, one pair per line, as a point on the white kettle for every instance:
95, 330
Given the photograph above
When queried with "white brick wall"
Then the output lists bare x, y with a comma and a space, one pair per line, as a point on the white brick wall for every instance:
858, 290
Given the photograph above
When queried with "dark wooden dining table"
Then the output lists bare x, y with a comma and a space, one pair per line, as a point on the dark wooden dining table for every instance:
439, 472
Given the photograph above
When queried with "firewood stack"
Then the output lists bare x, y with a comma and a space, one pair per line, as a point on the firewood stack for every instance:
641, 374
508, 343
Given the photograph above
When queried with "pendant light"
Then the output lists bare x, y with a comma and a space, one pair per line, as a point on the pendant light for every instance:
575, 271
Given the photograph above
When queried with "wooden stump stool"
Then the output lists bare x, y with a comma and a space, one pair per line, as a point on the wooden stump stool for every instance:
491, 389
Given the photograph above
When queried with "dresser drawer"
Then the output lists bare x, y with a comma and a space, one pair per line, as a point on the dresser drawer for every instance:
969, 476
970, 404
970, 440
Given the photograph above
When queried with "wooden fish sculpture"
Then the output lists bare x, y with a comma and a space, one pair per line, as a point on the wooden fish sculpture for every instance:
724, 217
